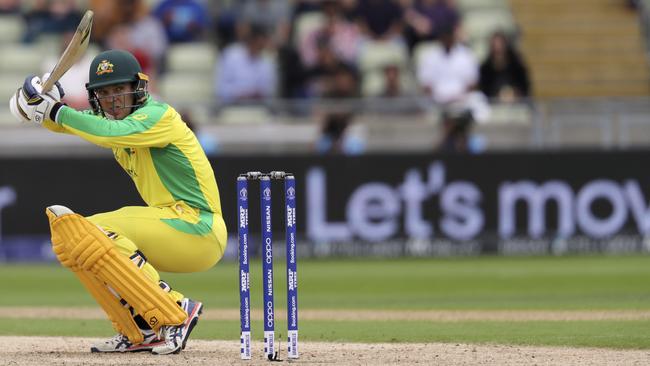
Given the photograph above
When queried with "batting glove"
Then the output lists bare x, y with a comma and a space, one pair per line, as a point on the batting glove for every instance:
31, 104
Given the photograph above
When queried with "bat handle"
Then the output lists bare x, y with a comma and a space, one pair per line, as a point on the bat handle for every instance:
47, 85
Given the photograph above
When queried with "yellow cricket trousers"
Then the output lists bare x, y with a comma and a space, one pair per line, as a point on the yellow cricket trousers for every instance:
173, 239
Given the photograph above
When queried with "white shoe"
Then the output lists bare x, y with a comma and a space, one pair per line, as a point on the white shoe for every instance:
120, 343
175, 336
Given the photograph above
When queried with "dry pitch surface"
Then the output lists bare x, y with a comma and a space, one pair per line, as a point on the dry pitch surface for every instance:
73, 351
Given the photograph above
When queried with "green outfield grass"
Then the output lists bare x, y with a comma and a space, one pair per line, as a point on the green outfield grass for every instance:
485, 283
608, 334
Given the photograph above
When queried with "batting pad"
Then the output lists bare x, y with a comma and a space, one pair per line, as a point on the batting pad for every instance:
119, 315
91, 250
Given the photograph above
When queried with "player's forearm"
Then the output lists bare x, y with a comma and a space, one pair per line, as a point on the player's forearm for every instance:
139, 130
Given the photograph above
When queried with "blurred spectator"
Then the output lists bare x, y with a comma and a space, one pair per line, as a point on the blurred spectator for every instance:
304, 6
225, 26
341, 35
426, 18
504, 76
392, 82
183, 20
272, 15
293, 75
321, 73
633, 4
146, 34
243, 73
50, 16
141, 34
121, 38
456, 125
342, 85
74, 80
380, 19
349, 8
450, 74
396, 96
9, 6
108, 15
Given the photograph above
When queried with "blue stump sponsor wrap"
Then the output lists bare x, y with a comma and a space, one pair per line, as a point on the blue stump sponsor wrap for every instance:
267, 266
244, 268
292, 271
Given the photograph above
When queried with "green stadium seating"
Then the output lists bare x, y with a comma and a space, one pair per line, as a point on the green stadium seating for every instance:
305, 24
243, 115
11, 28
20, 59
468, 5
199, 57
479, 25
186, 88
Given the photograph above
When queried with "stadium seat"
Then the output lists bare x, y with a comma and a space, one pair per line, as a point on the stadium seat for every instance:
505, 135
580, 130
373, 83
468, 5
479, 25
6, 118
411, 134
375, 55
243, 115
20, 59
305, 24
420, 49
480, 49
199, 57
184, 89
12, 28
49, 44
634, 130
507, 113
9, 83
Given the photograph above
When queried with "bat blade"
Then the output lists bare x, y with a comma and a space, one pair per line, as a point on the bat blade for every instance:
73, 51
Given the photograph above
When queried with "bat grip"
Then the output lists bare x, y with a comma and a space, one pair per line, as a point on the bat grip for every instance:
47, 85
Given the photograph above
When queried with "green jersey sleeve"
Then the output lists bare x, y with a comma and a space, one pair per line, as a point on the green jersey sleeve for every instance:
148, 126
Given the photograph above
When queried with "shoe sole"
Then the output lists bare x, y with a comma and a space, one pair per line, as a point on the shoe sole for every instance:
138, 348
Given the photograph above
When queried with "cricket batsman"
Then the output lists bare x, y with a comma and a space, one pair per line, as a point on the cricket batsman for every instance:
117, 255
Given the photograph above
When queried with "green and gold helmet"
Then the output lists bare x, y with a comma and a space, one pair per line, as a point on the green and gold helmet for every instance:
116, 67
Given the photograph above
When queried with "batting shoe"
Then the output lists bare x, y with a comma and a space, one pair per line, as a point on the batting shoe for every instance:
176, 336
120, 343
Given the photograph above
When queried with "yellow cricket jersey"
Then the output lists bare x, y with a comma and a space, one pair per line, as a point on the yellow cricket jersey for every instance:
160, 153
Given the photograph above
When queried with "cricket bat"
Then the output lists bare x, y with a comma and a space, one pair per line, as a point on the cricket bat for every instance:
73, 51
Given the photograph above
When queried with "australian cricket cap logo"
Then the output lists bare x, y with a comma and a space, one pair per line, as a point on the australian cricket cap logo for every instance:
104, 67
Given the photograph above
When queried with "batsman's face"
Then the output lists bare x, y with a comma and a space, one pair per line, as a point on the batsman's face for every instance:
116, 100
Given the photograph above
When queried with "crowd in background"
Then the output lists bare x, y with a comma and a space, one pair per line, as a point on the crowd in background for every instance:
321, 63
